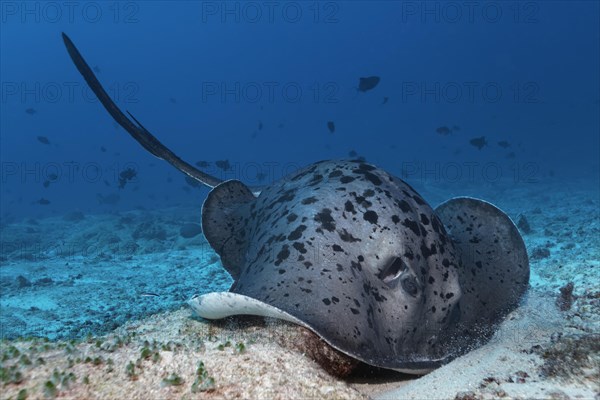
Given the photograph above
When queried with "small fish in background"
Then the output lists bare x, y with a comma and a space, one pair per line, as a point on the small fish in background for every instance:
456, 128
385, 100
478, 142
149, 294
260, 125
51, 178
42, 201
331, 126
31, 111
202, 164
352, 153
504, 144
172, 100
106, 183
111, 199
223, 164
103, 149
260, 176
192, 182
511, 155
368, 83
96, 69
443, 130
254, 135
125, 176
43, 139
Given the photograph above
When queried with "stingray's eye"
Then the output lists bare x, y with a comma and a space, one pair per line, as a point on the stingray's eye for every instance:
390, 274
410, 286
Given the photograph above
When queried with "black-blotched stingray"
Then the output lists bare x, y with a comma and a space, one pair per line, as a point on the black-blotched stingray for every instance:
355, 255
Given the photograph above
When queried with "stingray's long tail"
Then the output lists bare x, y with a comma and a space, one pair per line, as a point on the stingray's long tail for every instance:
136, 130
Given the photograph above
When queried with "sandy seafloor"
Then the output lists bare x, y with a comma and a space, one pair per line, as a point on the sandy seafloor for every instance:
79, 280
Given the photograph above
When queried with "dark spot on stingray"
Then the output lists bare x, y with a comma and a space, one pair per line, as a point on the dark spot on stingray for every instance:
331, 126
395, 219
370, 216
431, 279
424, 219
347, 237
418, 200
335, 300
326, 220
300, 247
354, 310
337, 247
307, 264
368, 193
316, 179
367, 83
285, 197
478, 142
292, 217
335, 173
282, 271
349, 207
404, 206
346, 179
412, 225
326, 301
446, 262
356, 265
428, 251
297, 233
478, 264
309, 200
282, 255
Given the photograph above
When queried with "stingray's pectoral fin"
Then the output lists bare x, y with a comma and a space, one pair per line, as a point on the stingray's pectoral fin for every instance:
494, 274
225, 215
136, 130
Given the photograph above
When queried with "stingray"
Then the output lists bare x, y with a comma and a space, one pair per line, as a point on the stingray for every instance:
355, 255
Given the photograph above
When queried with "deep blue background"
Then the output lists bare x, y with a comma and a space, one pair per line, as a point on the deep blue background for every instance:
543, 56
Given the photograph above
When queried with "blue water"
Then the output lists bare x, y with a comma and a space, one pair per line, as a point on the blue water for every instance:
257, 86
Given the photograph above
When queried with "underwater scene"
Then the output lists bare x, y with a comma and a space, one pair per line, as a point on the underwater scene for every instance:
300, 200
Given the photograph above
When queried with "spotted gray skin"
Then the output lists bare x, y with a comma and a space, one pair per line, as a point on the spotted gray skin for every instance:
354, 253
